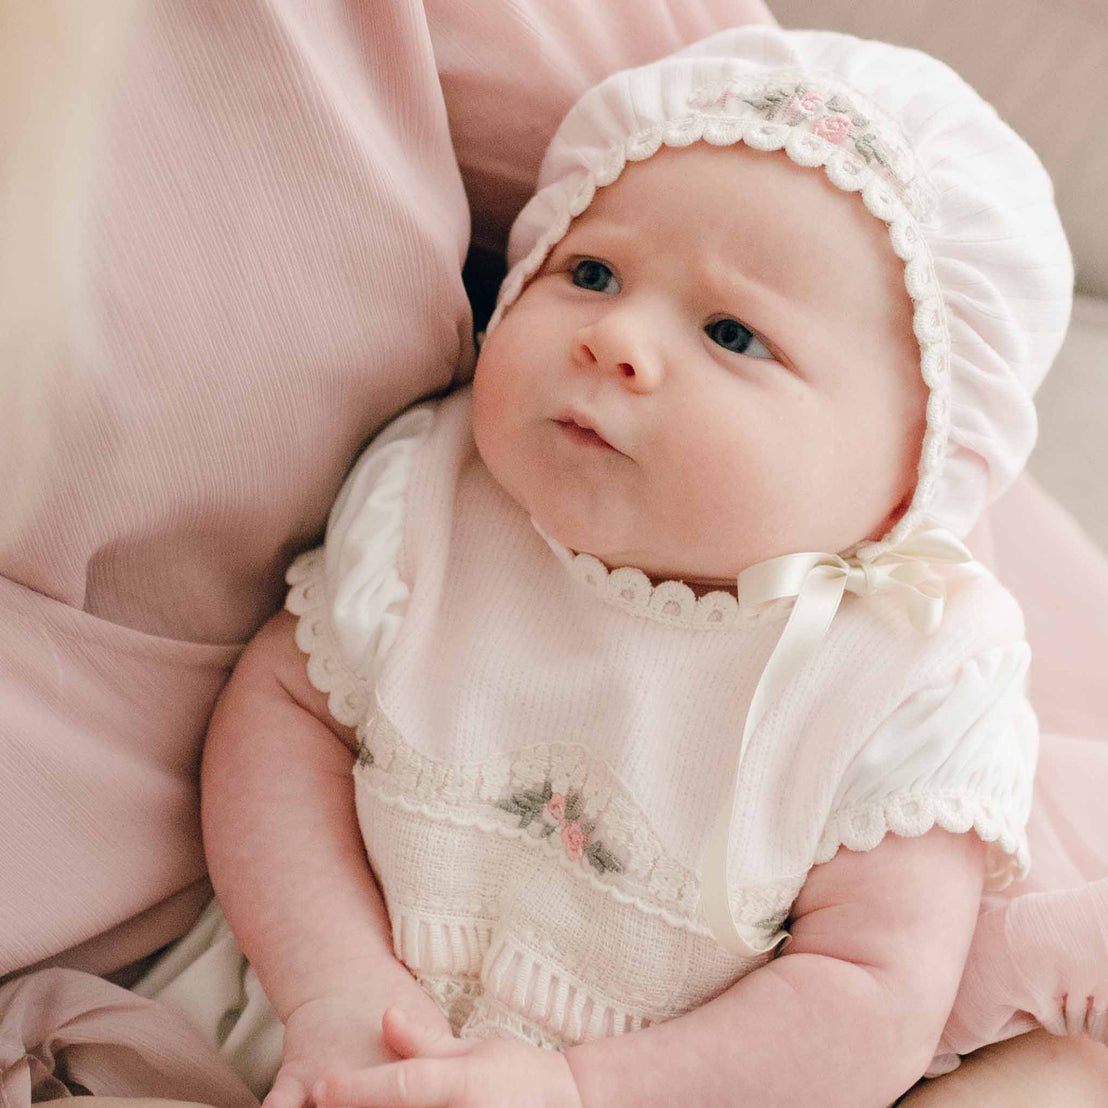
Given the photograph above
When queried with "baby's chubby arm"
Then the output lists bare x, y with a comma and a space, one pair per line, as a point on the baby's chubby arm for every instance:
848, 1015
289, 866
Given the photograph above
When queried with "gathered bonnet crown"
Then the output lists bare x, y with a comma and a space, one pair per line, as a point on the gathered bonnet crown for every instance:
970, 211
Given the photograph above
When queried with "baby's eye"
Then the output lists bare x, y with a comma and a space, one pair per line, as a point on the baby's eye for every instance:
594, 276
732, 335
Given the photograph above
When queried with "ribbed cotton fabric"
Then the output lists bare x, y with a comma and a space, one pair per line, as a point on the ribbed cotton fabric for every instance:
237, 321
541, 749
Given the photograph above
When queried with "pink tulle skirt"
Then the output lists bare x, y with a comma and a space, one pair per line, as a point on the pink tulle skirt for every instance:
1040, 953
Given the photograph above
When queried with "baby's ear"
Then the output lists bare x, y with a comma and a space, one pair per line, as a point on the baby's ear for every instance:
882, 529
906, 502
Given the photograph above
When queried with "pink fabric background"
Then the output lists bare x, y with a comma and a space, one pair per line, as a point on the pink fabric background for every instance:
273, 239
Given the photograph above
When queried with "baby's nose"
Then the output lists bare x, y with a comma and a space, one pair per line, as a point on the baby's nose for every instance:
616, 345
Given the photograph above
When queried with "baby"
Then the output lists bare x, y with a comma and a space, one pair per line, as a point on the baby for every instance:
636, 777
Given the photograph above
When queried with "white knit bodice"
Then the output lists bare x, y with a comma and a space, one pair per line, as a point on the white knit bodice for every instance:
542, 743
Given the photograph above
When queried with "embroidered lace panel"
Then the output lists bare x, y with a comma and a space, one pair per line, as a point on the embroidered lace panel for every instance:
567, 806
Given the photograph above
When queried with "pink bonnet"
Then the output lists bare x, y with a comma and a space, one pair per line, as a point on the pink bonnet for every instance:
968, 206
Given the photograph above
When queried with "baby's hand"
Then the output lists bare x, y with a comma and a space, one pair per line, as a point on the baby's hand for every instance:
440, 1071
339, 1034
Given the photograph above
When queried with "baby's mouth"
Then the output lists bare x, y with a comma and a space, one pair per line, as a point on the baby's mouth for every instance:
584, 436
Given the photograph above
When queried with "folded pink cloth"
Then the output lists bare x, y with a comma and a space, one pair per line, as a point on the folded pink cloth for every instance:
63, 1023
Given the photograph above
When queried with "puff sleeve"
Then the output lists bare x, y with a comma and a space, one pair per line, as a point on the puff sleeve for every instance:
348, 593
959, 754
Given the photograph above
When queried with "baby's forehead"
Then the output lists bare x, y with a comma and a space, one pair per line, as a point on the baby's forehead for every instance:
756, 210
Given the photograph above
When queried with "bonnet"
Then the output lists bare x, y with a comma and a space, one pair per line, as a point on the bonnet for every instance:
970, 211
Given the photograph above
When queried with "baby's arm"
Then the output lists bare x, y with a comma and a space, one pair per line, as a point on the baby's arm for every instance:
289, 867
848, 1015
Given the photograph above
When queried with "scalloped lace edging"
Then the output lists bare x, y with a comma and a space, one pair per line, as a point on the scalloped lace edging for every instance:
669, 602
316, 601
348, 695
910, 815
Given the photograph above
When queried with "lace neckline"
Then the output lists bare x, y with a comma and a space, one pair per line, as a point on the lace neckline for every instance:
670, 602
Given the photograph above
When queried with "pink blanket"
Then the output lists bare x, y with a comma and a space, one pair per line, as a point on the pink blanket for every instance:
268, 268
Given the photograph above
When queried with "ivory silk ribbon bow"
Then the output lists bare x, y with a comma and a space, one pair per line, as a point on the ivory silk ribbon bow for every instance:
818, 582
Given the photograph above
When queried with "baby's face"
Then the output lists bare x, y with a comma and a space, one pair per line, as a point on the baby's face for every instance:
715, 366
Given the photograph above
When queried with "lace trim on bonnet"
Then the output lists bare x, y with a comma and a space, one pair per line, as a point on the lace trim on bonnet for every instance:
819, 122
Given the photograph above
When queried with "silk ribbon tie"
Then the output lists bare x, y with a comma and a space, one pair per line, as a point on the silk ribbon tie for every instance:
818, 582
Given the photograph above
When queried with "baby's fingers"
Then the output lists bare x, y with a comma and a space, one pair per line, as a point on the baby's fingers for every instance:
415, 1083
414, 1038
287, 1092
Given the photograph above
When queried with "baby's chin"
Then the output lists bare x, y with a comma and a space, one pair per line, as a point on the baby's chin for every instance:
702, 575
709, 560
613, 553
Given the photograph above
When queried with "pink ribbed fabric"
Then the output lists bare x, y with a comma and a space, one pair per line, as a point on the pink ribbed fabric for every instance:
272, 267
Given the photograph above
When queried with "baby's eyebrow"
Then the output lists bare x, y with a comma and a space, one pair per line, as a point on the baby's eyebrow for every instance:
601, 232
771, 306
728, 282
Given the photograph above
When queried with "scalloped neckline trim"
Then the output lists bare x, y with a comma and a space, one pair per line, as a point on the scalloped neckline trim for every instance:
670, 602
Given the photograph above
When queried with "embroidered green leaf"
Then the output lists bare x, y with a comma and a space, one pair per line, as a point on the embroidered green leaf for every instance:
603, 859
527, 803
531, 804
573, 806
771, 923
769, 102
869, 147
365, 756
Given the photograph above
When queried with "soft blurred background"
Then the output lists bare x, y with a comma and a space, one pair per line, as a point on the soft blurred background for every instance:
1042, 66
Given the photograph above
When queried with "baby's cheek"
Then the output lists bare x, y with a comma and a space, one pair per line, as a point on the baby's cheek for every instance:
709, 487
491, 404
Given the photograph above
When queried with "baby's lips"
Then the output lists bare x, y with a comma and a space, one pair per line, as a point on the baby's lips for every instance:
574, 418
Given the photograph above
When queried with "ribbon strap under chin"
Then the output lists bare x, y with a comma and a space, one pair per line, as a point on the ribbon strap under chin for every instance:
818, 582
